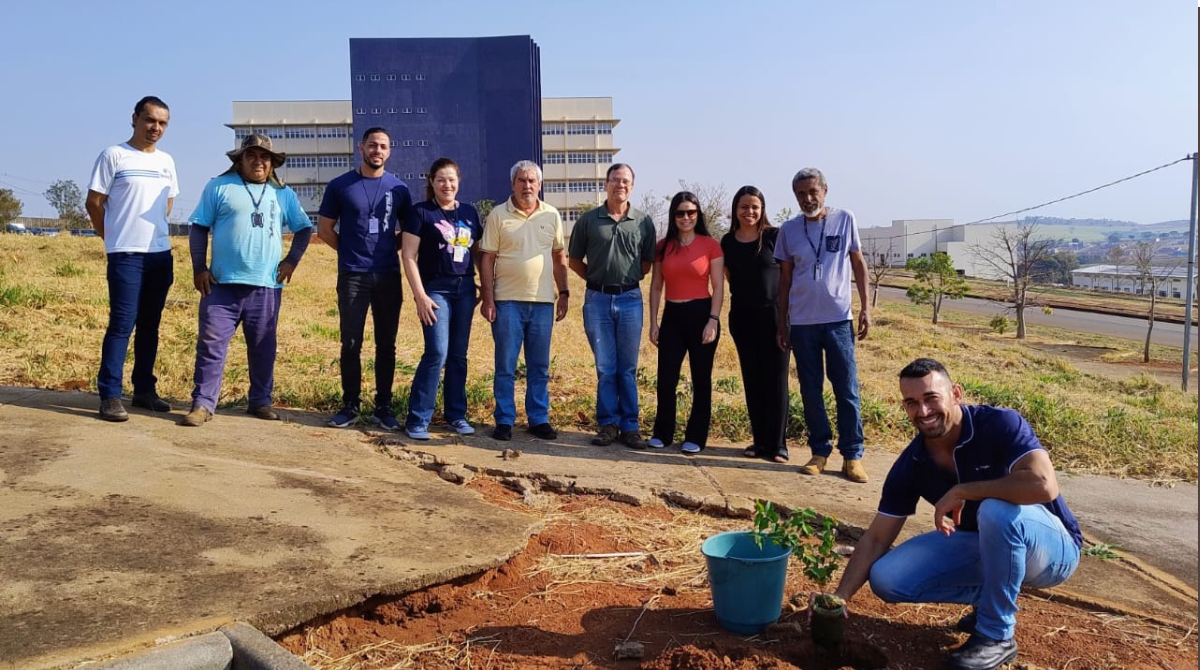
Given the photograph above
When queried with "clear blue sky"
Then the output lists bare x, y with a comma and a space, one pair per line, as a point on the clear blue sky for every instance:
913, 109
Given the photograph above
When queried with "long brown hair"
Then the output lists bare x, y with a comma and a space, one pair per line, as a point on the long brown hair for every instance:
763, 221
671, 240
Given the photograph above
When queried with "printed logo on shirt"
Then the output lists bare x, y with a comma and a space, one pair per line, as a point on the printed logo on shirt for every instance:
833, 243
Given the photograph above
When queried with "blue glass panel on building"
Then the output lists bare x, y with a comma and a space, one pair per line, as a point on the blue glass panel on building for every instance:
474, 100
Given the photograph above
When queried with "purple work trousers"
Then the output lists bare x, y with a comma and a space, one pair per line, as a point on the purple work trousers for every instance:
256, 308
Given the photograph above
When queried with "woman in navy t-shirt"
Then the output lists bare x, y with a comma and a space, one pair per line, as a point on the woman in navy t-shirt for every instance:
437, 251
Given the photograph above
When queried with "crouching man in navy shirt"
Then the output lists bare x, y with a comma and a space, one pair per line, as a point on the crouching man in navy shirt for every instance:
999, 520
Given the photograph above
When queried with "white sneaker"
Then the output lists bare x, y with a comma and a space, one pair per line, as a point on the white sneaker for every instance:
417, 432
655, 443
462, 427
690, 448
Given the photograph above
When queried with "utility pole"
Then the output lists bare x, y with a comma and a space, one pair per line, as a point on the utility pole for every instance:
1191, 276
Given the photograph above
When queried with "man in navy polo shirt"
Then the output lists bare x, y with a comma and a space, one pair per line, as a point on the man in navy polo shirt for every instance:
358, 218
1008, 527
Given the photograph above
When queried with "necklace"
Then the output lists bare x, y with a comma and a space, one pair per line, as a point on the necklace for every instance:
256, 219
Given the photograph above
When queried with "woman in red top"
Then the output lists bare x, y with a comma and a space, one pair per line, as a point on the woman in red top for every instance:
689, 264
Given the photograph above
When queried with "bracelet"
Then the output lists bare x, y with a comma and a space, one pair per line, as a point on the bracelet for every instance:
714, 317
565, 293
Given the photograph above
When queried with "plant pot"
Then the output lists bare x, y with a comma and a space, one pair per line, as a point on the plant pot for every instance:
828, 622
747, 582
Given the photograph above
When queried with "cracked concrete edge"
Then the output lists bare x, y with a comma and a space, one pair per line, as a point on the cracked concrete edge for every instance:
254, 651
210, 651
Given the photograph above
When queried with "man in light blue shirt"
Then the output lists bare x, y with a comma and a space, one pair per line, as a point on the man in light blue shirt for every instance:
247, 210
818, 252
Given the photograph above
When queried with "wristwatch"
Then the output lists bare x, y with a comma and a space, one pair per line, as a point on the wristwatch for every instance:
565, 293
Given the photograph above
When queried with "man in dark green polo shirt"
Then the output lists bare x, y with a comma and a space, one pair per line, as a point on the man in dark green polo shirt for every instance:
612, 248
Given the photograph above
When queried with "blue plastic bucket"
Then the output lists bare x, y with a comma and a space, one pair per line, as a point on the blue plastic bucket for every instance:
747, 582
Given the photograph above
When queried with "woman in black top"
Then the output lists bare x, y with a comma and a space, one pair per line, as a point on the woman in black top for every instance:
753, 275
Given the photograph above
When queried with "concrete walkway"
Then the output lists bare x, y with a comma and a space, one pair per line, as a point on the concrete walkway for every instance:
116, 536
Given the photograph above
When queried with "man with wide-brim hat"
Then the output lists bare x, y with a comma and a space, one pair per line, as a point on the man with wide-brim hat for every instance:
246, 209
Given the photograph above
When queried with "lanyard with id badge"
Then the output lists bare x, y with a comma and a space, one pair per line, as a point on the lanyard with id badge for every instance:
256, 218
462, 236
818, 270
372, 219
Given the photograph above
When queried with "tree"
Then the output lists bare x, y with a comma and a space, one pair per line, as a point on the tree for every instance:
784, 214
1117, 256
66, 198
714, 203
878, 262
656, 208
484, 207
10, 206
1012, 254
1057, 267
935, 279
1151, 276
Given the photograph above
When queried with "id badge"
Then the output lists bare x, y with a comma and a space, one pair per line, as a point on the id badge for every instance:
373, 225
817, 272
256, 220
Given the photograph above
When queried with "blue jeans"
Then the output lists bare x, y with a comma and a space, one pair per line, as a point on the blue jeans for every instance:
529, 324
256, 309
613, 324
1016, 545
137, 291
820, 346
446, 343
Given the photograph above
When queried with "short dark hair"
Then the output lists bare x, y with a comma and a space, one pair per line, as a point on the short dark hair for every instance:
149, 100
433, 170
375, 129
923, 367
617, 166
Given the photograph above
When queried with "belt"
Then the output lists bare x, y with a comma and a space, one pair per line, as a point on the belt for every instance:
612, 289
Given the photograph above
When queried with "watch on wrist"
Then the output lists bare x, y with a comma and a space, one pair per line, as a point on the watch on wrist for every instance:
715, 317
565, 293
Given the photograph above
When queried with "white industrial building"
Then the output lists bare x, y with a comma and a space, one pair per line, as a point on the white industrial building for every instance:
1127, 279
913, 238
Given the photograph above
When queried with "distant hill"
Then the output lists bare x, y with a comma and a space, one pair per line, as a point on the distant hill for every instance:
1099, 230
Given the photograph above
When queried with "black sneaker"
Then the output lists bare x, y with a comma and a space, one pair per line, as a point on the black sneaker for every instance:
981, 652
151, 401
345, 418
503, 432
967, 623
606, 435
544, 431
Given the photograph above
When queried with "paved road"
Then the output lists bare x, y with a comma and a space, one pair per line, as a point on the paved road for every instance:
1170, 334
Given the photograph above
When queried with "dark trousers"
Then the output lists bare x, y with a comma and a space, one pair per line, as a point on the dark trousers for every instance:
764, 374
256, 309
137, 291
679, 333
357, 292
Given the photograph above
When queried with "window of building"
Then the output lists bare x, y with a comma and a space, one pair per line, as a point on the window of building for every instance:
405, 77
391, 77
422, 143
313, 219
421, 110
554, 186
424, 175
406, 110
580, 187
580, 157
604, 157
241, 133
391, 110
374, 77
374, 110
305, 191
409, 175
554, 158
420, 77
273, 133
299, 132
333, 161
393, 144
553, 129
360, 77
295, 162
572, 215
325, 132
360, 110
604, 128
581, 129
408, 143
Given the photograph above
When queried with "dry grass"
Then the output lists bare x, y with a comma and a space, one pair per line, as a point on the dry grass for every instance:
53, 311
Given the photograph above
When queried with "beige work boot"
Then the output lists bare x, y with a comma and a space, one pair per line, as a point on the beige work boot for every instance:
814, 466
854, 471
197, 417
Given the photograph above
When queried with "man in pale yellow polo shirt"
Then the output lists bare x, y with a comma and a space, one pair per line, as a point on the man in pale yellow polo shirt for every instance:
522, 260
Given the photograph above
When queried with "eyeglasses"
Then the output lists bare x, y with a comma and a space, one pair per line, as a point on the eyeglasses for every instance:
684, 213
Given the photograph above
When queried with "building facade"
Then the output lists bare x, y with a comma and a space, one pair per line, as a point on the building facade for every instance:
322, 142
476, 100
577, 150
913, 238
1172, 281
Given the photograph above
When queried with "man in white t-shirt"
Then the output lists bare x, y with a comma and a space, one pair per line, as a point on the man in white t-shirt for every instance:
130, 194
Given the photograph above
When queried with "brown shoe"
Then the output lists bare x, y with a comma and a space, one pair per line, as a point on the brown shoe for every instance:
265, 412
632, 439
814, 466
112, 409
854, 471
605, 436
197, 417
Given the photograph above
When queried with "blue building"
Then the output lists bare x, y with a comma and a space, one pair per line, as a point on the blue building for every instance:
476, 100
